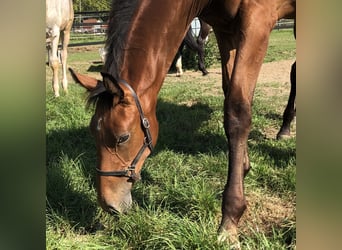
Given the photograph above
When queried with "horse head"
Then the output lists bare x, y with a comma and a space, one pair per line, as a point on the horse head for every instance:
122, 135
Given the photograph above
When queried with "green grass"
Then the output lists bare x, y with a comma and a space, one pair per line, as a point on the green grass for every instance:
282, 46
177, 204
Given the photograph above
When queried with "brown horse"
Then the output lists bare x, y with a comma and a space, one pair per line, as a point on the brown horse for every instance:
124, 124
59, 19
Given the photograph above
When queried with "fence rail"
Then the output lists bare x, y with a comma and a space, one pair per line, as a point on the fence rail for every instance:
89, 28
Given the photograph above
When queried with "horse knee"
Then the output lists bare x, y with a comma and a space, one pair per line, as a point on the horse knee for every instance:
237, 119
54, 64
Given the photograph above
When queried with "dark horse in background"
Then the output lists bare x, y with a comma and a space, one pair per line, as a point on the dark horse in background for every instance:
124, 124
196, 45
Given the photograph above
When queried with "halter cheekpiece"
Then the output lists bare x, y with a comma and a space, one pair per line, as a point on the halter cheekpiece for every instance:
145, 125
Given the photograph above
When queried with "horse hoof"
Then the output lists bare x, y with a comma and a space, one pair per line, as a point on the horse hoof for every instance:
230, 237
283, 136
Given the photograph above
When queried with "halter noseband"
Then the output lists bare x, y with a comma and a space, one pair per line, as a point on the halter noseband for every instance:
145, 125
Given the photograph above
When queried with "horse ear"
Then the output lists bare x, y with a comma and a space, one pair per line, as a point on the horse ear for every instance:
87, 82
112, 85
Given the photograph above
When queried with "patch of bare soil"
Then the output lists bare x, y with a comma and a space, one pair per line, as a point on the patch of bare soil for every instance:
273, 85
273, 72
265, 211
84, 48
278, 71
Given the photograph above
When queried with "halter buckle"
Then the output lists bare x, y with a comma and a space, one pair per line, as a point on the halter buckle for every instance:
145, 123
133, 175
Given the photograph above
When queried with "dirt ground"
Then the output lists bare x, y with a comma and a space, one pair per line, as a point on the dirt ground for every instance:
276, 71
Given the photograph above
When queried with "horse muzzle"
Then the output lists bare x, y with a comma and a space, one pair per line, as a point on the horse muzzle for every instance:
117, 206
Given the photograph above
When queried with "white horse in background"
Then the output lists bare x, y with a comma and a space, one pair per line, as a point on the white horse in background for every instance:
59, 20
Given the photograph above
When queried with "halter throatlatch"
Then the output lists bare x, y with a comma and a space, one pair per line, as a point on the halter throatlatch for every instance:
145, 125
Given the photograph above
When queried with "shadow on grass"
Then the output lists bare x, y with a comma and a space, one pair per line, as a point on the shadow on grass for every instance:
178, 131
274, 116
63, 199
280, 152
96, 68
178, 126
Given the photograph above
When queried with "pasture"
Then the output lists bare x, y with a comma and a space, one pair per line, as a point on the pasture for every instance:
177, 204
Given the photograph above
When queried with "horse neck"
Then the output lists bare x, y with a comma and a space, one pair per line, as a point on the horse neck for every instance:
153, 38
286, 9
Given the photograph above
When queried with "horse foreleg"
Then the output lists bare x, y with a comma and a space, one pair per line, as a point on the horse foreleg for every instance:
179, 69
201, 40
200, 52
239, 92
54, 62
178, 57
233, 201
290, 110
65, 43
237, 123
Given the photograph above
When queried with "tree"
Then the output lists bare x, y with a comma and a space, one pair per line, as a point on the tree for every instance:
91, 5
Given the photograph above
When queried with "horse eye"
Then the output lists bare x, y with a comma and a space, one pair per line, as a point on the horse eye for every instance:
122, 139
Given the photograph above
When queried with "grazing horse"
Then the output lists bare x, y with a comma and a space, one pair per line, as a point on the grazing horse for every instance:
59, 19
196, 45
125, 125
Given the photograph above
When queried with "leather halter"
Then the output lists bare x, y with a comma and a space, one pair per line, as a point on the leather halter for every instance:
145, 125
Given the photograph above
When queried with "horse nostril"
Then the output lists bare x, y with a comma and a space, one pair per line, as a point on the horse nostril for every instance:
112, 210
117, 205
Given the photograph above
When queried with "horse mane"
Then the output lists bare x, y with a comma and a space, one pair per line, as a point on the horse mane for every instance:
119, 21
120, 18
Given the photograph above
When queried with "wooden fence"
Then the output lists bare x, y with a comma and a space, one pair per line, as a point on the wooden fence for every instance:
89, 28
